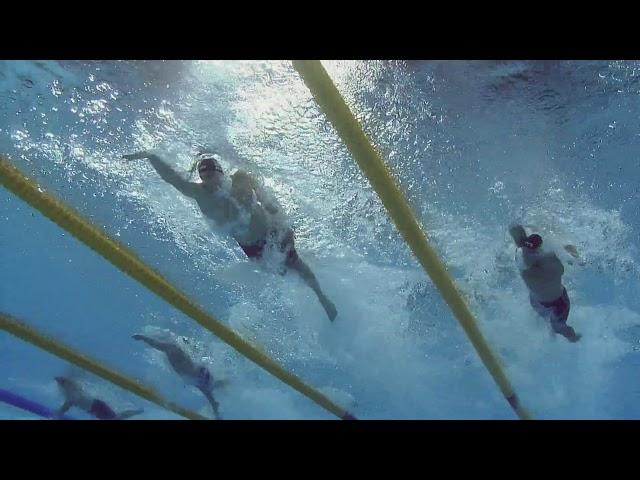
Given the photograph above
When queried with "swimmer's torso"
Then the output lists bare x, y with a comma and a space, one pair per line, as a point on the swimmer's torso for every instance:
543, 276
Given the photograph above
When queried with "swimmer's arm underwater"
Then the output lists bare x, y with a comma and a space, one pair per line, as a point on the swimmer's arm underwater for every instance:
166, 172
266, 201
518, 234
63, 409
270, 207
255, 185
215, 406
573, 251
157, 344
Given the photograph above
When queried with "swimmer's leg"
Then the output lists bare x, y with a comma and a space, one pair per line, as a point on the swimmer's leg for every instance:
213, 402
310, 279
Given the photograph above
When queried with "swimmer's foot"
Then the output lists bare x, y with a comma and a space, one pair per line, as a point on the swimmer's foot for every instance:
571, 335
575, 338
330, 308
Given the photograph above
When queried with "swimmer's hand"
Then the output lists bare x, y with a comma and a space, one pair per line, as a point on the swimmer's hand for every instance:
572, 250
137, 155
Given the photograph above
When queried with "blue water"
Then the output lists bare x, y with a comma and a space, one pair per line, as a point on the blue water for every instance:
474, 145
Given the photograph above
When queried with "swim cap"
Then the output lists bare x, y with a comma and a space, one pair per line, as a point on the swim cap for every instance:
208, 162
533, 241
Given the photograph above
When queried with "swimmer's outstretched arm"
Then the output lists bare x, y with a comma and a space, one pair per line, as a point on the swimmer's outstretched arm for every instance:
129, 413
152, 342
179, 360
264, 199
167, 173
518, 234
268, 205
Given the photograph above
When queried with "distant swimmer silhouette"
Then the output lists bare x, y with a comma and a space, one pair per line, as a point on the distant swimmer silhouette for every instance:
76, 396
191, 372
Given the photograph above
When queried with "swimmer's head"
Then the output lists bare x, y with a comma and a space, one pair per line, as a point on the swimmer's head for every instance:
208, 167
532, 242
